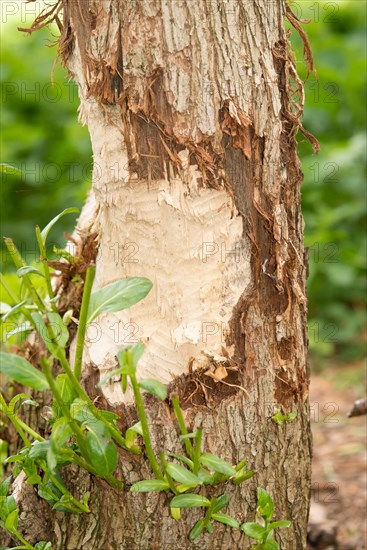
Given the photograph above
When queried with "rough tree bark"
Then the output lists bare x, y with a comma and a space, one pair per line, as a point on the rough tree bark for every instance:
192, 109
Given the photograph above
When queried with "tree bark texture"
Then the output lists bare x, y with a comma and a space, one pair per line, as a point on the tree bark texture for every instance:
192, 108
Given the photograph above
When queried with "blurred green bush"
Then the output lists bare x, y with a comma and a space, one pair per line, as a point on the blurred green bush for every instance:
41, 137
334, 188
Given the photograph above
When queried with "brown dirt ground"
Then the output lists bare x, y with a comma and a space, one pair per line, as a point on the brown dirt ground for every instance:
339, 487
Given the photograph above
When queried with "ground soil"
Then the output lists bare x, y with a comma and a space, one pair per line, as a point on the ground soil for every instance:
339, 486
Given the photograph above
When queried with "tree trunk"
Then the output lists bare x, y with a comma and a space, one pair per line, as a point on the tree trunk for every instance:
191, 113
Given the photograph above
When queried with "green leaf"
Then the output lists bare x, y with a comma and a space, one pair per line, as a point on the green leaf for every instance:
191, 435
109, 375
270, 544
154, 387
227, 520
4, 451
9, 169
4, 487
189, 501
39, 449
21, 455
205, 477
241, 465
43, 332
102, 452
123, 383
61, 433
80, 411
292, 416
24, 327
33, 479
66, 504
67, 317
19, 397
136, 428
279, 418
148, 485
43, 545
11, 522
182, 475
109, 416
117, 296
20, 370
64, 254
281, 523
52, 456
240, 477
263, 497
183, 458
197, 529
60, 331
31, 470
7, 506
131, 433
47, 450
183, 487
219, 478
253, 530
27, 270
15, 458
128, 358
137, 351
66, 389
217, 464
219, 503
130, 438
14, 309
175, 513
265, 504
59, 328
4, 308
30, 402
45, 231
48, 492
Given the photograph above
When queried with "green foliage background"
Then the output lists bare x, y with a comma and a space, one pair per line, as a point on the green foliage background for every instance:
41, 136
334, 189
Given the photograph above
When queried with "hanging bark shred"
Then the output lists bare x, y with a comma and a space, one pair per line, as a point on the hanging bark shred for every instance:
295, 117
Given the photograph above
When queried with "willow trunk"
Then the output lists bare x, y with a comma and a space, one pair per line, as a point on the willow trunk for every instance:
192, 109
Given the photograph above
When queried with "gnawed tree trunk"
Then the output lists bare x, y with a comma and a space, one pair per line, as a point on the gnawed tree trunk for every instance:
196, 186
